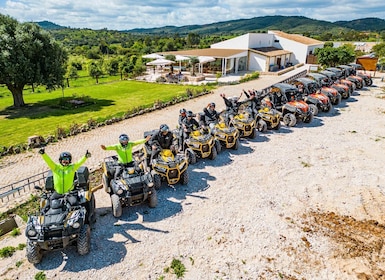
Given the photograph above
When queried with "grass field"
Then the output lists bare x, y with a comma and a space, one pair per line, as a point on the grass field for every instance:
111, 97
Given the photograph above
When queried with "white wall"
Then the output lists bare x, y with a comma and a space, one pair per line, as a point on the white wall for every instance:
257, 62
300, 51
238, 43
260, 40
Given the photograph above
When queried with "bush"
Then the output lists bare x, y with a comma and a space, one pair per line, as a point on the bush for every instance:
249, 77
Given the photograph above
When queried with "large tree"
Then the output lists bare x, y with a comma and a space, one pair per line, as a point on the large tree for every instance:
29, 55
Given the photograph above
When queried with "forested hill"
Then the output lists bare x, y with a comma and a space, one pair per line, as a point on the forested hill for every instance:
290, 24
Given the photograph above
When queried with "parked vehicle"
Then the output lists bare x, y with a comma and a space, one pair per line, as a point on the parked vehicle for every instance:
311, 95
228, 136
135, 184
350, 75
62, 220
244, 122
287, 99
201, 144
323, 83
167, 166
341, 88
358, 71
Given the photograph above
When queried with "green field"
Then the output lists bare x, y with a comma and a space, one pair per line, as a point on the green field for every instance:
110, 97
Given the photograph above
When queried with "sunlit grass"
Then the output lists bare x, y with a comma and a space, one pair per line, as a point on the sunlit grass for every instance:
111, 97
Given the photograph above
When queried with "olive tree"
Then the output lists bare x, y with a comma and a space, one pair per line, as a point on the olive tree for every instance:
29, 55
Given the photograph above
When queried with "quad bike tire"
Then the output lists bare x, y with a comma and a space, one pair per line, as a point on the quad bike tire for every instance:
84, 240
184, 178
289, 119
236, 145
314, 109
116, 206
262, 126
253, 134
157, 181
369, 83
329, 108
34, 254
190, 154
106, 183
214, 153
309, 119
346, 95
218, 146
278, 126
153, 199
90, 207
338, 100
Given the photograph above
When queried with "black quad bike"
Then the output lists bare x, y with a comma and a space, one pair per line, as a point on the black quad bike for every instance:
134, 185
62, 220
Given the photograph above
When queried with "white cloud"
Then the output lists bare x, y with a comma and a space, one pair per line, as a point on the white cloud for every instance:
121, 14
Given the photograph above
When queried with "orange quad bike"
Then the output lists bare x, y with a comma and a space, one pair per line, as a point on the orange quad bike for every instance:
288, 100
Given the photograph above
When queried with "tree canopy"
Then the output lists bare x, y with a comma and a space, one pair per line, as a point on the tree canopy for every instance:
29, 55
329, 56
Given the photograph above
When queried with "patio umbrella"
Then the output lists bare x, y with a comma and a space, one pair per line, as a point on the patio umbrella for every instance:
204, 59
181, 58
160, 62
152, 56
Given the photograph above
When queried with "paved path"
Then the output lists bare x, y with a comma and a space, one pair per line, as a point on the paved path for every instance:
17, 167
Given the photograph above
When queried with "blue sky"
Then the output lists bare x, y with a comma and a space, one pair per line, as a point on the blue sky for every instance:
128, 14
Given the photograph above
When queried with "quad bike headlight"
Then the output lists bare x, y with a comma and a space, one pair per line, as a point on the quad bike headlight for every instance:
119, 191
76, 225
31, 232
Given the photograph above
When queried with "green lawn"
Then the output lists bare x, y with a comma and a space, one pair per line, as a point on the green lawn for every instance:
111, 97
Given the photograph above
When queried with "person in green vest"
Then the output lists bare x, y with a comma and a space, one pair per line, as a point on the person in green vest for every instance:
63, 173
124, 151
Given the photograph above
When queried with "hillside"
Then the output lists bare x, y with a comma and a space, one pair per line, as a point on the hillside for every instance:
290, 24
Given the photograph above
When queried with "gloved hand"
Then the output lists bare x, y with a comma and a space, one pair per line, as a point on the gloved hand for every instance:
88, 154
42, 151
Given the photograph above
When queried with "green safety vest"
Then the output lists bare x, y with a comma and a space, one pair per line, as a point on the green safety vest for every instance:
125, 153
63, 176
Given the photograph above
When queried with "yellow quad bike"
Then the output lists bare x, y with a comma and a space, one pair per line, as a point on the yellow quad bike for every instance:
245, 123
171, 168
270, 118
62, 220
228, 136
201, 145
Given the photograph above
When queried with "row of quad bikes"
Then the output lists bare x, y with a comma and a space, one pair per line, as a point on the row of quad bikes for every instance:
67, 220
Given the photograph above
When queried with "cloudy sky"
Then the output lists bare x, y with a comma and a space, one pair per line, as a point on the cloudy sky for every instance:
128, 14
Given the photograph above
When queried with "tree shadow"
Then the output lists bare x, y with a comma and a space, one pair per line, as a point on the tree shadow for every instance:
55, 107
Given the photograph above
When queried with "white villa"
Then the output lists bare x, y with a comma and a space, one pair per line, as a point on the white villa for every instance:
264, 52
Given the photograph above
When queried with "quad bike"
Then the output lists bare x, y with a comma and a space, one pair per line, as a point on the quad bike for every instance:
323, 85
201, 144
294, 109
133, 186
341, 88
367, 78
317, 100
167, 166
350, 75
244, 122
62, 220
270, 116
227, 136
171, 168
